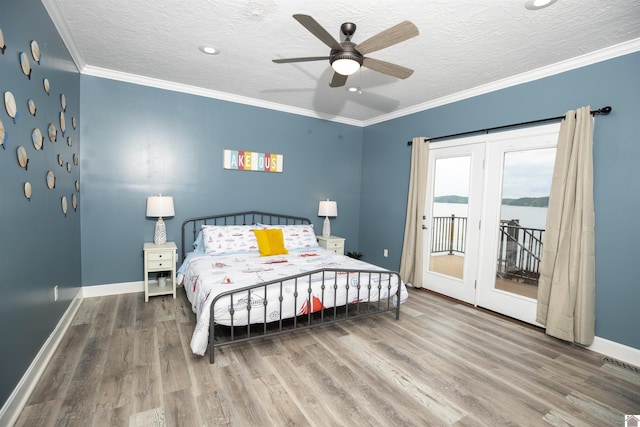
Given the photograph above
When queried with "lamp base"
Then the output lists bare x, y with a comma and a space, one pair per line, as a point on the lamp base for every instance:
326, 227
160, 236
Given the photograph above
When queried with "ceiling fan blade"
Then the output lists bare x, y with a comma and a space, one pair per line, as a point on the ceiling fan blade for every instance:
387, 68
306, 59
394, 35
338, 80
317, 30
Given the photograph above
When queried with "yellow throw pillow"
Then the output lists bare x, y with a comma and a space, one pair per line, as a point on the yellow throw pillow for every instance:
270, 241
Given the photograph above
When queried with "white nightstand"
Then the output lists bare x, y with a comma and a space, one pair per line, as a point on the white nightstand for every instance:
333, 243
159, 258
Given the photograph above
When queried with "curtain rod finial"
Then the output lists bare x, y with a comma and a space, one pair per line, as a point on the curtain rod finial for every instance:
605, 110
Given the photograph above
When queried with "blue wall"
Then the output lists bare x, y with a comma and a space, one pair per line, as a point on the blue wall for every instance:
140, 141
40, 247
386, 162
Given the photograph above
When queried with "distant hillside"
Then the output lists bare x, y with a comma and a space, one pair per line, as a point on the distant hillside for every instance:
535, 202
451, 199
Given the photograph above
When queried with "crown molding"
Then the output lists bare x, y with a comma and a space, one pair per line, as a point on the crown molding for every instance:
209, 93
611, 52
539, 73
53, 9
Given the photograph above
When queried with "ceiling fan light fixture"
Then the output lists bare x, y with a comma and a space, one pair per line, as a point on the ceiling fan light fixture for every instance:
345, 66
346, 61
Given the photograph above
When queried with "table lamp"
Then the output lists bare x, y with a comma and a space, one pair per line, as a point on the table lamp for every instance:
326, 209
159, 206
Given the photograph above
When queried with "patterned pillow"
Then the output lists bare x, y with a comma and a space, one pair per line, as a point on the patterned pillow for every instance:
228, 239
297, 236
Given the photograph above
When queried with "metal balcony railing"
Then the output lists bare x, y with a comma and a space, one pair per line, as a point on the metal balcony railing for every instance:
519, 251
519, 248
449, 234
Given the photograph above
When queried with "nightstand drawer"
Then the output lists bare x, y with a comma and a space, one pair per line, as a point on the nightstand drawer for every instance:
159, 255
159, 264
332, 243
335, 244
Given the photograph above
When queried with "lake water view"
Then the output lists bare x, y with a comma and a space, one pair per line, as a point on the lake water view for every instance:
529, 217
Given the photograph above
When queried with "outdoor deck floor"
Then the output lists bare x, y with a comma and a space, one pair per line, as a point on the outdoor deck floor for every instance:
452, 265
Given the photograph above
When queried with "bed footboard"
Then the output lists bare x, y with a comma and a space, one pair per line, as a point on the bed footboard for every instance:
320, 297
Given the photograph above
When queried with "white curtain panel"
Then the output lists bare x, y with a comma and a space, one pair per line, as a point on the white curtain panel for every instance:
566, 289
411, 259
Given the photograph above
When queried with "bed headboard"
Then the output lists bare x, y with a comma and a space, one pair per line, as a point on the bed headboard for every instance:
191, 226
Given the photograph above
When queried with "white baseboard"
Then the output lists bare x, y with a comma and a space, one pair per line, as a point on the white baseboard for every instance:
112, 289
18, 399
616, 350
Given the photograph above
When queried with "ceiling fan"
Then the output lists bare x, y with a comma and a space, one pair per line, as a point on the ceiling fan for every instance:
346, 58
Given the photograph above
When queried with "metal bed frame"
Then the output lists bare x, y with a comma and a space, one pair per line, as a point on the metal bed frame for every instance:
261, 326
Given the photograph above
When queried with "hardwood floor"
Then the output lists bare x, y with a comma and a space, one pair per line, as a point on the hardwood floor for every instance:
125, 362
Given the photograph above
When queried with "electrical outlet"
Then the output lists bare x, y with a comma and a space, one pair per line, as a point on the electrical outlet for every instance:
385, 253
55, 293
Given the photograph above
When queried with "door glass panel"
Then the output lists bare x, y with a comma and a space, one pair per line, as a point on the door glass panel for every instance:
449, 216
526, 184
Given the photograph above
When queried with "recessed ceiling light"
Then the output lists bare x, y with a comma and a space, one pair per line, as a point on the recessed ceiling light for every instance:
354, 89
538, 4
209, 50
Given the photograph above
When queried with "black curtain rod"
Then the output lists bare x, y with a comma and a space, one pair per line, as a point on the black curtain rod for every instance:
600, 112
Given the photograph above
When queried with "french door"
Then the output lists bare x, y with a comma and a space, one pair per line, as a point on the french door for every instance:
485, 215
452, 219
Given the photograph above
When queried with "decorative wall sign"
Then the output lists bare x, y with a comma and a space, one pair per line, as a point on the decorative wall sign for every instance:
3, 135
35, 51
24, 64
51, 180
63, 125
53, 133
2, 45
29, 59
32, 107
10, 105
23, 160
252, 161
36, 138
27, 190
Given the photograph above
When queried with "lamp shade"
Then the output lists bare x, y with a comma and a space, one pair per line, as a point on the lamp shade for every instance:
160, 206
345, 66
328, 208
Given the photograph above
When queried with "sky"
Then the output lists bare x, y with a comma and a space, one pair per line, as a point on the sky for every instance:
526, 174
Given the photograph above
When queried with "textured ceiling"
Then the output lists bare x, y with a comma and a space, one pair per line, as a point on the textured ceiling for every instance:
462, 45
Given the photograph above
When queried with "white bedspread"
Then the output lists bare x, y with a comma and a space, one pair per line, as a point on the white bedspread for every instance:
205, 276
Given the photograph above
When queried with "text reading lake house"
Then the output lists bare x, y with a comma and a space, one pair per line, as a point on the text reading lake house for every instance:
252, 161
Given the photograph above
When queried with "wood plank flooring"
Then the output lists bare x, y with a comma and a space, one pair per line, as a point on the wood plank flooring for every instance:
125, 362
